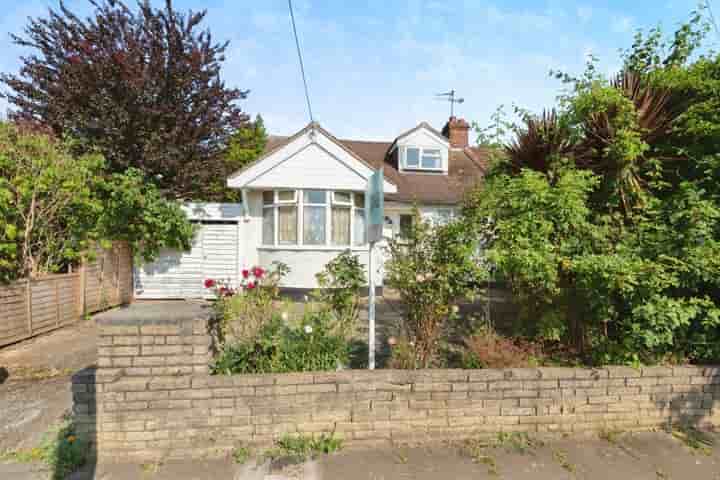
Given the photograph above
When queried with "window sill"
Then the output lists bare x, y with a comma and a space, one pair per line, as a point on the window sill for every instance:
311, 248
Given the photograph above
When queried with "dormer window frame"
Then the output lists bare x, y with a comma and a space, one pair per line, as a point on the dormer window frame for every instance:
423, 152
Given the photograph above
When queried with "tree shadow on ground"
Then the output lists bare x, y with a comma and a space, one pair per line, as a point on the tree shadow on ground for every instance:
4, 374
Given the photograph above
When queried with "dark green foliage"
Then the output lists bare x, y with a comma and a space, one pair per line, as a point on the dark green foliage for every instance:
613, 244
143, 85
279, 348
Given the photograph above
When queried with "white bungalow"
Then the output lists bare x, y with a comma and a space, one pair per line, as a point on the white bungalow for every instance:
303, 203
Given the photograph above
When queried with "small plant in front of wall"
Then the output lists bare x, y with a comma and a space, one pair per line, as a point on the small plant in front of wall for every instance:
696, 440
300, 448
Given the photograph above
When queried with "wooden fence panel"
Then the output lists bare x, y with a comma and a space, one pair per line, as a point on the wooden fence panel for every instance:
32, 307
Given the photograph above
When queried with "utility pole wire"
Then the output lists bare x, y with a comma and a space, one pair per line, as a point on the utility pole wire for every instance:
302, 66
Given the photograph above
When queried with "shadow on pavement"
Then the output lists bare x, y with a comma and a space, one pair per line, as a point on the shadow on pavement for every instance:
3, 375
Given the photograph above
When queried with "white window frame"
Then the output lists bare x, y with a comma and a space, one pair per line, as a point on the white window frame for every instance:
422, 152
299, 202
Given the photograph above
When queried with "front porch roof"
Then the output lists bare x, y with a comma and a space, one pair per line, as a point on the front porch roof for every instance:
311, 159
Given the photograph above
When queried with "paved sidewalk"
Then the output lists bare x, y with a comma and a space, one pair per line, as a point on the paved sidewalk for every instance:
640, 456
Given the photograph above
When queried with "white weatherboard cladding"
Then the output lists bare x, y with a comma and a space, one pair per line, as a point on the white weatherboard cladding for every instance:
312, 167
311, 160
176, 274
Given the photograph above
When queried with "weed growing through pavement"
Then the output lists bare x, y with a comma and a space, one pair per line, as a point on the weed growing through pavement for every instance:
301, 448
61, 448
561, 457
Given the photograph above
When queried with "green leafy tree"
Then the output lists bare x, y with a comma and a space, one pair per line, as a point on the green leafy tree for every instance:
55, 205
247, 144
48, 203
611, 228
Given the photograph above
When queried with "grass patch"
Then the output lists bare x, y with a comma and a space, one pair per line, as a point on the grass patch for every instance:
301, 448
62, 449
694, 439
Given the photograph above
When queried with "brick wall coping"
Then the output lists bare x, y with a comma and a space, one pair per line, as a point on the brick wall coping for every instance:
161, 313
406, 377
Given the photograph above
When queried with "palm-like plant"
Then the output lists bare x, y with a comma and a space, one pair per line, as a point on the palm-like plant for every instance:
618, 139
539, 143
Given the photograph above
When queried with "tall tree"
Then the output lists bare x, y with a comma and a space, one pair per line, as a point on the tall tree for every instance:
143, 85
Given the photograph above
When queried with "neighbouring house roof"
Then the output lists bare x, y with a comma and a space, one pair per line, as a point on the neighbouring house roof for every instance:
466, 168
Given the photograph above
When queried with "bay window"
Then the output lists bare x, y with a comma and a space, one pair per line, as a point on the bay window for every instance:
313, 218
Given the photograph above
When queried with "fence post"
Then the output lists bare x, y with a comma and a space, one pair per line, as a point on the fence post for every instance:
28, 297
57, 302
83, 286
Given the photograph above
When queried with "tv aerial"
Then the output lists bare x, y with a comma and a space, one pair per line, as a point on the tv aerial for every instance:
450, 97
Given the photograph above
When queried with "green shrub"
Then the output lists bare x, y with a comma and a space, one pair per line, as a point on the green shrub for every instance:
278, 348
340, 283
241, 312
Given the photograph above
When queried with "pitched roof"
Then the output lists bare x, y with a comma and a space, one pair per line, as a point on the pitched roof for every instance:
466, 169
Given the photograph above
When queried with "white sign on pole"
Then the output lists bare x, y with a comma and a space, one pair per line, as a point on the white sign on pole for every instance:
374, 203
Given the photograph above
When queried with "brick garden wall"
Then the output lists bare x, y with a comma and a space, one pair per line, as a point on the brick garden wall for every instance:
155, 399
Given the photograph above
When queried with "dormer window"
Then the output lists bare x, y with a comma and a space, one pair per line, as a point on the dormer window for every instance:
417, 158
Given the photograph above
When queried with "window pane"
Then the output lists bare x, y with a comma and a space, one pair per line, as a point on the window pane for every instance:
268, 198
341, 225
431, 159
287, 225
412, 157
342, 197
359, 227
286, 196
406, 222
268, 227
314, 226
315, 196
360, 200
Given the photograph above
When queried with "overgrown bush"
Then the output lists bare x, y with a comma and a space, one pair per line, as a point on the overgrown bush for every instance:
54, 206
309, 346
432, 268
241, 312
340, 283
486, 348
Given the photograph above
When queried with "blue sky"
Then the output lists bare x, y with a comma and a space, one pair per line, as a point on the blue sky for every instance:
374, 66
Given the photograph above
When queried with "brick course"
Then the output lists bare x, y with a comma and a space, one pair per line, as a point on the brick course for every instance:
161, 402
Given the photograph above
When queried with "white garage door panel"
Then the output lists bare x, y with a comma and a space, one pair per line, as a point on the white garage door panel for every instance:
182, 274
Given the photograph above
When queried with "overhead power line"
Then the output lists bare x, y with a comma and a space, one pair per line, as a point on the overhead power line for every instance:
302, 66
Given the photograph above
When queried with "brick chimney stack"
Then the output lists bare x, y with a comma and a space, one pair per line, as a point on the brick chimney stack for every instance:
456, 130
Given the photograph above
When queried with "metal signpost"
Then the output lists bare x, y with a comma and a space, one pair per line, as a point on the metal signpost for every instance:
375, 221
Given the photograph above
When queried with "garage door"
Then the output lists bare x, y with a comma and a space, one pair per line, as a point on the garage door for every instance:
178, 274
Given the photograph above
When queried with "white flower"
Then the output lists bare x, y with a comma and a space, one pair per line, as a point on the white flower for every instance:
419, 277
284, 316
306, 298
392, 341
455, 309
308, 329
